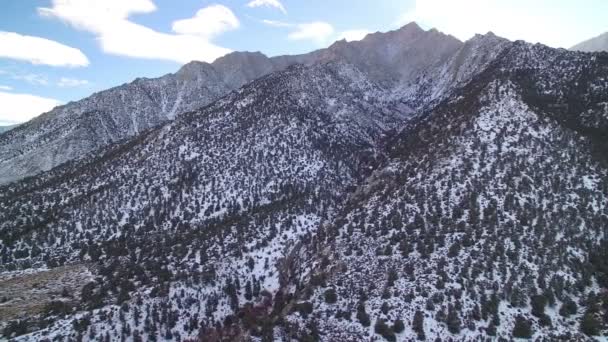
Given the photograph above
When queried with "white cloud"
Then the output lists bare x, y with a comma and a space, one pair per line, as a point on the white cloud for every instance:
34, 79
6, 88
557, 25
318, 32
268, 3
108, 20
66, 82
353, 35
18, 108
37, 50
276, 23
208, 22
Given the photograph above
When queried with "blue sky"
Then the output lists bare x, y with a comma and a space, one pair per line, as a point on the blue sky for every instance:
55, 51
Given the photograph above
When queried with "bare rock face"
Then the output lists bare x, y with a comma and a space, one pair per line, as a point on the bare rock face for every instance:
437, 81
391, 57
400, 55
599, 43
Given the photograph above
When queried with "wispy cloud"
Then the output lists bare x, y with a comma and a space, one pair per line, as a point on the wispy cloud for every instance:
318, 32
276, 23
33, 79
268, 3
37, 50
18, 108
5, 88
66, 82
109, 21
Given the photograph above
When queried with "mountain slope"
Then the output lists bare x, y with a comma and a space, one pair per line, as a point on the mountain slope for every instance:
71, 131
440, 80
325, 202
218, 196
489, 220
599, 43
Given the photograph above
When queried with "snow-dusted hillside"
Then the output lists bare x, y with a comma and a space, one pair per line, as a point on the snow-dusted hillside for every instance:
465, 201
211, 197
470, 230
489, 220
71, 131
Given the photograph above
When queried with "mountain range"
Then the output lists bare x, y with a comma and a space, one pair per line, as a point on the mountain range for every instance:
405, 187
393, 59
599, 43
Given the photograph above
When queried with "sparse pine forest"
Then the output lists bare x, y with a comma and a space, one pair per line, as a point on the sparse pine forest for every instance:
323, 203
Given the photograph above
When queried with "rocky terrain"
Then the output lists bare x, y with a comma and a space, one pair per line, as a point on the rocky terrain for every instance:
462, 196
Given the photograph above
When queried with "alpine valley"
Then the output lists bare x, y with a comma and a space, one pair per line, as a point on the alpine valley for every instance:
408, 186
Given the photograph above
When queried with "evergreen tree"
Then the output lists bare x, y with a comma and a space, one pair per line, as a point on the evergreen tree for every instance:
382, 329
330, 296
248, 290
453, 321
418, 325
590, 325
522, 328
568, 308
362, 316
398, 326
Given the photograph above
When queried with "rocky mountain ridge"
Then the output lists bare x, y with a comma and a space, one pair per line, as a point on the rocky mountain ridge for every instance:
73, 130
